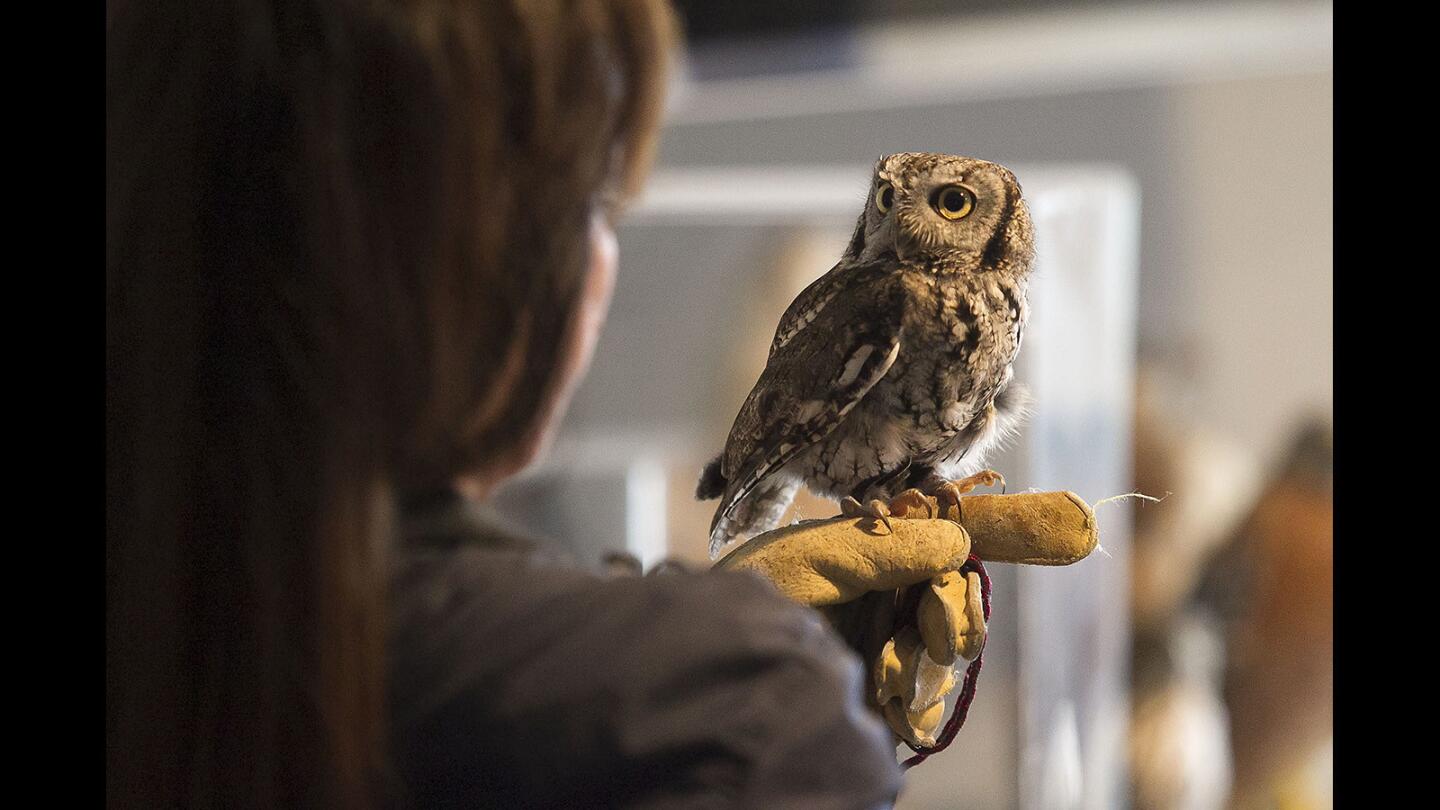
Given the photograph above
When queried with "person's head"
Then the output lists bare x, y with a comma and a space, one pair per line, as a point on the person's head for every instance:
354, 250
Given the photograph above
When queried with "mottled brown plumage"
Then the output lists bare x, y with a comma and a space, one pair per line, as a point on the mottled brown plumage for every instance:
893, 369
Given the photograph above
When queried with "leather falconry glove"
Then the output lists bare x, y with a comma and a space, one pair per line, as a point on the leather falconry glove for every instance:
897, 587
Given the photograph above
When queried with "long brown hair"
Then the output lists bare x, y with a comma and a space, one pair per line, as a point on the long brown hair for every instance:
328, 224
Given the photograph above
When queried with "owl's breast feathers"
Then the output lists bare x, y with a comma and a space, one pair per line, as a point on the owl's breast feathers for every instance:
962, 332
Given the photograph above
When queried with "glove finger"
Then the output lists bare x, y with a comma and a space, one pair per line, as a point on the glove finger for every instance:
974, 631
916, 728
894, 667
832, 561
940, 616
926, 722
1031, 528
886, 675
951, 617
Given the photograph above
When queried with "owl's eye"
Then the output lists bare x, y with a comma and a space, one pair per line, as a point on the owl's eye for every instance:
884, 197
954, 202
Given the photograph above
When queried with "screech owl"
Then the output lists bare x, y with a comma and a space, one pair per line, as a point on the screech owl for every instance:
892, 370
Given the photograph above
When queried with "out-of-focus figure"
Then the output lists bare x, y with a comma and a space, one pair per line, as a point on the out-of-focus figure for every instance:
1233, 609
1275, 586
1179, 741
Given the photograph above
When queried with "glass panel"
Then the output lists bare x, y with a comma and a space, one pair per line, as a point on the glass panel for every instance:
709, 262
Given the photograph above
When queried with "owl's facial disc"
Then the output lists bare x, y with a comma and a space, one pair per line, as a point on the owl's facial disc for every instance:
950, 211
927, 205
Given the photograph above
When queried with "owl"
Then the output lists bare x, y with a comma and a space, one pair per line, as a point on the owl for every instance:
893, 369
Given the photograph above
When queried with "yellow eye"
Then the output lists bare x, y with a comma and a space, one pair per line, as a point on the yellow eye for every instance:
954, 202
884, 197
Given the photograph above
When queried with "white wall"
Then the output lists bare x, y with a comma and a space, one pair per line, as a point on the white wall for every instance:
1255, 196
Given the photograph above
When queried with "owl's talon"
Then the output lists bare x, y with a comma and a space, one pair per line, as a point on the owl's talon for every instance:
947, 493
882, 514
875, 509
912, 503
984, 478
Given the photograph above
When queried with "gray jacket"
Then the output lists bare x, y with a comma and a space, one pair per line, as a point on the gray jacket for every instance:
518, 680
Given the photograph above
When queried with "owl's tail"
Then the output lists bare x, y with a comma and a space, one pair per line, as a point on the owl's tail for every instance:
712, 481
757, 512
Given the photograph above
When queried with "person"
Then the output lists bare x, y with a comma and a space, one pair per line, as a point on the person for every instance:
357, 254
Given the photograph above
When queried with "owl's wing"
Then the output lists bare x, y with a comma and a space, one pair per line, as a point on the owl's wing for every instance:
807, 305
813, 379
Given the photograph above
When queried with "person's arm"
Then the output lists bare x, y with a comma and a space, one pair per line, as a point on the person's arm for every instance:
518, 683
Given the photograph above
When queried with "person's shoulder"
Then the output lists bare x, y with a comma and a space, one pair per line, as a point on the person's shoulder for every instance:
462, 582
689, 676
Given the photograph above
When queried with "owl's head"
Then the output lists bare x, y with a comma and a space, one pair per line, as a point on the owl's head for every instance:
924, 205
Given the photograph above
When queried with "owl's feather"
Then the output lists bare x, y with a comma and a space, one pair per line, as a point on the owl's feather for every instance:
807, 306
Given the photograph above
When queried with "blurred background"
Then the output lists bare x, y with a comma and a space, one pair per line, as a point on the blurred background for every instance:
1178, 159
